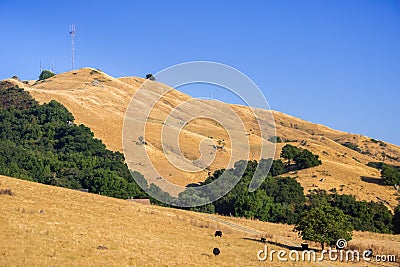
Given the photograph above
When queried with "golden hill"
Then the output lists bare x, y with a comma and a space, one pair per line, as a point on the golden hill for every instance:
43, 225
100, 101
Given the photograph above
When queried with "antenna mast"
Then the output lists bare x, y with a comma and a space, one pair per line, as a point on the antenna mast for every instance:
72, 33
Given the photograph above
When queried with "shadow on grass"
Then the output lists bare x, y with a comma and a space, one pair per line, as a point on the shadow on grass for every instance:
372, 180
278, 244
193, 185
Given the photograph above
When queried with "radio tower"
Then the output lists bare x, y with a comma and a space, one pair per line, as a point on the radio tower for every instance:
72, 33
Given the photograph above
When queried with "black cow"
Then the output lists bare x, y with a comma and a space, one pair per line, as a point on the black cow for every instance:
368, 253
263, 239
218, 233
216, 251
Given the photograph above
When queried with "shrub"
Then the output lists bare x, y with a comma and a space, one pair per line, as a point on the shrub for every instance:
93, 72
45, 75
306, 159
289, 152
150, 77
390, 175
352, 146
6, 192
275, 139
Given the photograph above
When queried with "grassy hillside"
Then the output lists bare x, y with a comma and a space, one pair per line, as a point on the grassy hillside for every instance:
45, 225
99, 101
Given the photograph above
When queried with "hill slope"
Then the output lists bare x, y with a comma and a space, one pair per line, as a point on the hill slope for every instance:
99, 101
44, 225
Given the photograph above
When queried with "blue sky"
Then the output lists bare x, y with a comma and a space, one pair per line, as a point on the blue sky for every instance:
331, 62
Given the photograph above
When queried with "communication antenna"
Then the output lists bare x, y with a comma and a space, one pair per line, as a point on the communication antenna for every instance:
52, 67
72, 33
40, 66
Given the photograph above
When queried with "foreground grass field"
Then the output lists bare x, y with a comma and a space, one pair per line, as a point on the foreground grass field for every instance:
48, 226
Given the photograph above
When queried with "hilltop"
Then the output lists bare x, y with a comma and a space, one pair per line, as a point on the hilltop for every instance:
100, 101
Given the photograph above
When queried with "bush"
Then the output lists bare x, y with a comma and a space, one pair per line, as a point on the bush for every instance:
45, 75
275, 139
6, 192
150, 77
13, 96
376, 165
352, 146
289, 152
306, 159
390, 175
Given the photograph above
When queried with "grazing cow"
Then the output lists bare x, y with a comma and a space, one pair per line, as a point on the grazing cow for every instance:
304, 246
216, 251
368, 253
218, 233
263, 239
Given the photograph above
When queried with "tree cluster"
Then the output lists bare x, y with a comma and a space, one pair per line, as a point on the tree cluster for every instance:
389, 173
41, 143
364, 216
303, 158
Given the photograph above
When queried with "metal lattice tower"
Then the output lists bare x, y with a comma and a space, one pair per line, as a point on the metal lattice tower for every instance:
72, 33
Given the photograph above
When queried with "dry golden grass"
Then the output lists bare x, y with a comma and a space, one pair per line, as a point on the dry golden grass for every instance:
379, 244
50, 226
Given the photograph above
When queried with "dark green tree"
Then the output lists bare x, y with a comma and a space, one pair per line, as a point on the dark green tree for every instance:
275, 139
324, 224
396, 220
45, 75
277, 168
150, 77
390, 175
289, 152
306, 159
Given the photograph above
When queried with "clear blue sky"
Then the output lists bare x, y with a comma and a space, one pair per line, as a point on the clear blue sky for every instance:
330, 62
